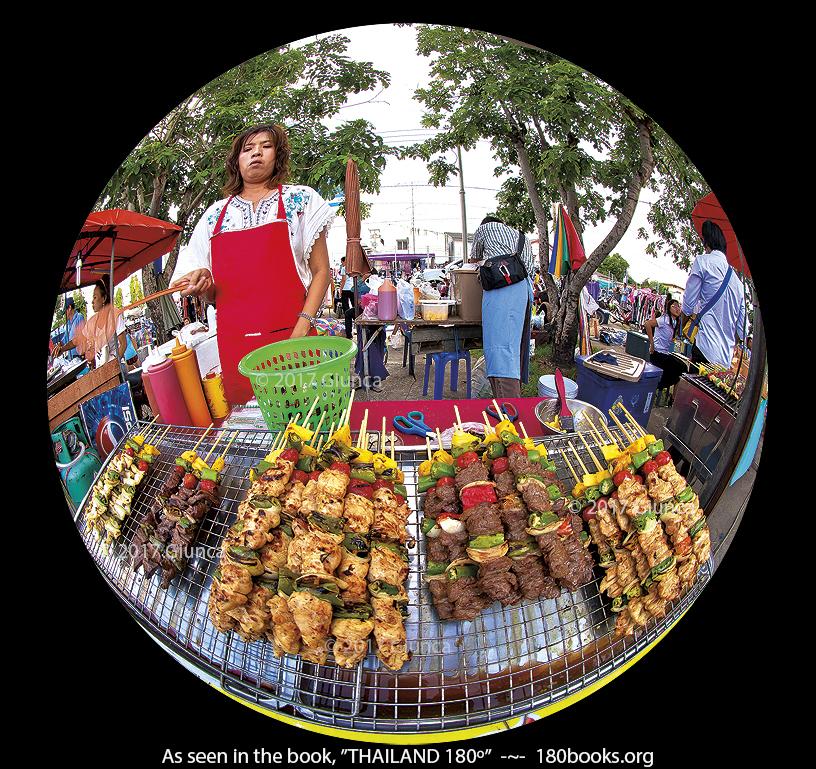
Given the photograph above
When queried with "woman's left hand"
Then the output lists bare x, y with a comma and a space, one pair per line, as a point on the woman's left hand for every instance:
301, 329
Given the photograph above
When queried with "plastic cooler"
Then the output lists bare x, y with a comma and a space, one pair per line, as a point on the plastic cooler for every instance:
287, 377
604, 392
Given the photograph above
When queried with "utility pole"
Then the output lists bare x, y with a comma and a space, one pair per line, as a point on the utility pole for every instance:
462, 201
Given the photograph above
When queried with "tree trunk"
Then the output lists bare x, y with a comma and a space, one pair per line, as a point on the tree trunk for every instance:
565, 323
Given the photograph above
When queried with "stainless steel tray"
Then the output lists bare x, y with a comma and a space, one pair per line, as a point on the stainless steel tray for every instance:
505, 664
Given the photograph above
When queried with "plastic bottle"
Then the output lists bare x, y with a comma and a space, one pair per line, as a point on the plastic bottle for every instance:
167, 391
186, 362
387, 301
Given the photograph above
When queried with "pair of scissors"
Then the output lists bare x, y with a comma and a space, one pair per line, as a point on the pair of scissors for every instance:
510, 412
413, 424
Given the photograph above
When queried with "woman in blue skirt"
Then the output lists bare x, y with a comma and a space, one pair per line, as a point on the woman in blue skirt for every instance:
506, 312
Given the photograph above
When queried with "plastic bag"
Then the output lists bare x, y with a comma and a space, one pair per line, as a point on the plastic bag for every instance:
369, 304
405, 299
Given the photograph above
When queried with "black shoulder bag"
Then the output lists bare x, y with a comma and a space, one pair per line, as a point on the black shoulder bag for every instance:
503, 270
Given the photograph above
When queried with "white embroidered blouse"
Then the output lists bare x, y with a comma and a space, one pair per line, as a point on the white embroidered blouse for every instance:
307, 213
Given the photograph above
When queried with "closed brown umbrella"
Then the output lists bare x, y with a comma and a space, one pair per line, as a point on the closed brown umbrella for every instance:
356, 261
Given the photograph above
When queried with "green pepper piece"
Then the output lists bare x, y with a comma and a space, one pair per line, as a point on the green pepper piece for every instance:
686, 495
435, 568
399, 488
640, 458
304, 464
484, 541
554, 491
425, 483
364, 475
655, 448
440, 469
593, 493
455, 573
293, 441
496, 449
427, 525
547, 464
534, 455
660, 570
697, 527
606, 487
508, 437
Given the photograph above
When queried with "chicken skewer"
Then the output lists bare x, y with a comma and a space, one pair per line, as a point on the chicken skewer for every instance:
113, 493
680, 510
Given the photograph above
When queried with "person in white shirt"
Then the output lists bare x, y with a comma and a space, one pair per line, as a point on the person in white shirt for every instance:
725, 322
662, 331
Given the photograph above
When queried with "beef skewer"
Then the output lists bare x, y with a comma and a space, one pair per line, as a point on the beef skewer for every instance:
534, 581
156, 526
446, 540
189, 511
557, 530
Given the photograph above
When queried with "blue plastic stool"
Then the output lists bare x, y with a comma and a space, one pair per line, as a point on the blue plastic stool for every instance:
440, 361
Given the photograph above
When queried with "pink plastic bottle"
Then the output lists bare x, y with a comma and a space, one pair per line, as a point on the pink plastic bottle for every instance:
387, 301
167, 391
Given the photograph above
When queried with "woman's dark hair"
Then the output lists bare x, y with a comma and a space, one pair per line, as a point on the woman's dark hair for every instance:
713, 236
235, 182
675, 322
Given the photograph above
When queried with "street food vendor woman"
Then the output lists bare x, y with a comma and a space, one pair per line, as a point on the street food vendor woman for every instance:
260, 254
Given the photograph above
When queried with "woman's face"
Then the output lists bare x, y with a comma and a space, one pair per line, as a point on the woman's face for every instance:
674, 309
256, 161
97, 302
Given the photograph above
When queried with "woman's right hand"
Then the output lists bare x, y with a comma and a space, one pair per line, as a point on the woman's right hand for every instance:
198, 282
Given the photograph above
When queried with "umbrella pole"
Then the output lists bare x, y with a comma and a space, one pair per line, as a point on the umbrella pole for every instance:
118, 357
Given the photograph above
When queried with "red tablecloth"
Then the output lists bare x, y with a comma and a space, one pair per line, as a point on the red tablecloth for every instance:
439, 413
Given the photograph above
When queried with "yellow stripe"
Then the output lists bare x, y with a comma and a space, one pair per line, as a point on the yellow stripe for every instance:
457, 734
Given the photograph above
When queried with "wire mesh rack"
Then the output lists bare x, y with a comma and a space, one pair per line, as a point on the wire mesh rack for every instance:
506, 663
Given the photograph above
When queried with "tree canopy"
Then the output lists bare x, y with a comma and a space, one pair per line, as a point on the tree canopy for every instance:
177, 170
564, 136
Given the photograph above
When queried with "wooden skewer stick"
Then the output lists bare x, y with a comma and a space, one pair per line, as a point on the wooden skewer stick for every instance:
591, 452
311, 411
458, 418
611, 436
361, 438
623, 429
439, 439
577, 479
499, 411
214, 445
523, 431
486, 424
226, 448
319, 425
428, 446
633, 421
347, 413
202, 437
383, 440
392, 444
580, 461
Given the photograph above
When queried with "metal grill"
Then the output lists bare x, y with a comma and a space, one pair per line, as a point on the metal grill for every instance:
506, 663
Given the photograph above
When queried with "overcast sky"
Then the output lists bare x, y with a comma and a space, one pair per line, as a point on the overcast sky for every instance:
396, 116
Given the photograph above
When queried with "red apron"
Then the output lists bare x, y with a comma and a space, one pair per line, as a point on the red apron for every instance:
259, 294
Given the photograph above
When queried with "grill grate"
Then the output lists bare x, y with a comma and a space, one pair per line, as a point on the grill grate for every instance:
506, 663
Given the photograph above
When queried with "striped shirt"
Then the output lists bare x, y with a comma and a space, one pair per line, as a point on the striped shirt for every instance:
496, 239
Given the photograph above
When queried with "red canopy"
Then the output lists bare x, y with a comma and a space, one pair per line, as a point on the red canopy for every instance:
133, 239
710, 208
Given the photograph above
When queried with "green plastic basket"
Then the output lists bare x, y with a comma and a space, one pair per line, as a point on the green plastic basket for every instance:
287, 377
